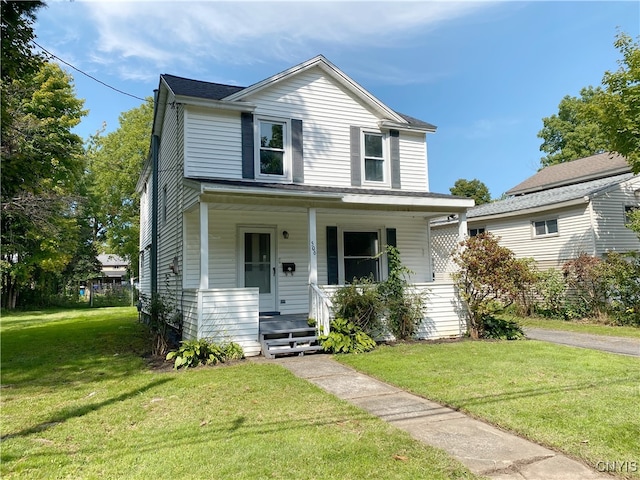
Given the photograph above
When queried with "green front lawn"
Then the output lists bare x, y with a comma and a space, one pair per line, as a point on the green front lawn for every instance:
582, 402
79, 401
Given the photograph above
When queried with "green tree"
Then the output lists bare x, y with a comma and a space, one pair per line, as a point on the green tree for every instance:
472, 189
115, 163
605, 118
617, 106
18, 59
489, 279
573, 132
42, 165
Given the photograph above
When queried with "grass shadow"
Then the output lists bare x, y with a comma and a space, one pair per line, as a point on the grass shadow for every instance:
69, 413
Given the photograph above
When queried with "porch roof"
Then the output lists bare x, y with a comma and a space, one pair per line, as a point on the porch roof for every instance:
331, 197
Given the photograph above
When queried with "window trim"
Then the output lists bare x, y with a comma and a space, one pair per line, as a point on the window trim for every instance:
386, 159
287, 159
534, 234
477, 229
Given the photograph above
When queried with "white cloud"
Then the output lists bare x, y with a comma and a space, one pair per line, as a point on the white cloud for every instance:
166, 33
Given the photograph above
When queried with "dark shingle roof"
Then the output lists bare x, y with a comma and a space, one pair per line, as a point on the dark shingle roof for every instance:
198, 88
584, 169
417, 123
219, 91
548, 197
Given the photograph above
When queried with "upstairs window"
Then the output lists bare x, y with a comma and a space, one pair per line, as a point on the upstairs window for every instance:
545, 227
375, 165
273, 154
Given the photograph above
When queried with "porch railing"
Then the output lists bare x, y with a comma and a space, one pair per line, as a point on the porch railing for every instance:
320, 308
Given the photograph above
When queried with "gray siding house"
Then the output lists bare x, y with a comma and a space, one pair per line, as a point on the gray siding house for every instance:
259, 201
555, 215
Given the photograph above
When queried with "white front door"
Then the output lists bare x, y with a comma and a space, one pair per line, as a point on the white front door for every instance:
258, 267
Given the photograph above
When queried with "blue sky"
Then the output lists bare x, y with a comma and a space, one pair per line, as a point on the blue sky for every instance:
485, 73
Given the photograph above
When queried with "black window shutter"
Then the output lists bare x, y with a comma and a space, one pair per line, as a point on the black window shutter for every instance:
297, 153
395, 158
391, 240
246, 121
356, 175
332, 255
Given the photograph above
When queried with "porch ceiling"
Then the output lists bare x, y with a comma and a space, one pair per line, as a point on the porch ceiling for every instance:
433, 204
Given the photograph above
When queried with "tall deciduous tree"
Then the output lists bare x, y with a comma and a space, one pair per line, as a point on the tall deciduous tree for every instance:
472, 189
573, 132
617, 107
17, 18
115, 163
605, 118
42, 166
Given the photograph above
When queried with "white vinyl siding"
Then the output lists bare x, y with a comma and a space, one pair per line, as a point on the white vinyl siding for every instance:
609, 218
327, 111
443, 317
413, 162
170, 235
573, 238
227, 315
191, 270
213, 144
213, 141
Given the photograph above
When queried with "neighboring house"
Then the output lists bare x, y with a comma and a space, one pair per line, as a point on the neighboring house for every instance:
113, 271
555, 215
260, 200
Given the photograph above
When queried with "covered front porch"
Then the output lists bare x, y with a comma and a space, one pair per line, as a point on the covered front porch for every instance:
255, 255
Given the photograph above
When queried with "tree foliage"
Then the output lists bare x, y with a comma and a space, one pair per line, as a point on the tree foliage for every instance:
115, 163
617, 107
42, 167
489, 279
471, 189
42, 164
573, 132
18, 58
604, 118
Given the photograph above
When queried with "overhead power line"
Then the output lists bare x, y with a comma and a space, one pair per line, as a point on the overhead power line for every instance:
85, 73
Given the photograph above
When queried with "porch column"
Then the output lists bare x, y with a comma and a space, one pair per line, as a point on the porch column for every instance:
313, 247
462, 226
204, 245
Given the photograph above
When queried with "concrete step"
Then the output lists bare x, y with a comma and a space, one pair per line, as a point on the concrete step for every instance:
289, 341
272, 352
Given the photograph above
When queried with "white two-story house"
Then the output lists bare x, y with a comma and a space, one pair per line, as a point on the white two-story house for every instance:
260, 200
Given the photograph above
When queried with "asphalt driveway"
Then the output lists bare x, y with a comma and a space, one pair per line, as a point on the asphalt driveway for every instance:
619, 345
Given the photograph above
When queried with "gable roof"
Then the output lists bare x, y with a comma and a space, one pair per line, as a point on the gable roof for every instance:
551, 198
581, 170
186, 87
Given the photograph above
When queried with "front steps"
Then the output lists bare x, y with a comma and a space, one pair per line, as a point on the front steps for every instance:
289, 341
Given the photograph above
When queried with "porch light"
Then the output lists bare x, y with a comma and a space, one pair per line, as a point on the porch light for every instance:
285, 234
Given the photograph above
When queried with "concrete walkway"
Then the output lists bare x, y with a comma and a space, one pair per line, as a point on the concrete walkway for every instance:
484, 449
622, 346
